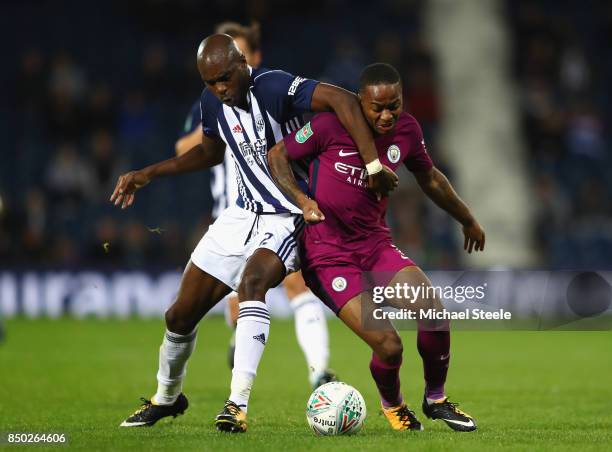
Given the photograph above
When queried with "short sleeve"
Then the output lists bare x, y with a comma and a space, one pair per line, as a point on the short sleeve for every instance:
209, 107
287, 94
310, 140
193, 119
418, 159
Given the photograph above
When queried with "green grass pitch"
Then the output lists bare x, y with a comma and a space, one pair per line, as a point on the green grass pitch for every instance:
527, 390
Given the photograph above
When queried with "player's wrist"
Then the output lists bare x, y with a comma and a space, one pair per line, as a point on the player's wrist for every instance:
468, 222
302, 200
374, 167
150, 172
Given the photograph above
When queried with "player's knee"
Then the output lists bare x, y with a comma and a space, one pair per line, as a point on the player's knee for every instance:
177, 322
253, 286
390, 349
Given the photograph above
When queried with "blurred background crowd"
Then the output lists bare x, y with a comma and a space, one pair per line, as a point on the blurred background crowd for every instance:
84, 102
563, 67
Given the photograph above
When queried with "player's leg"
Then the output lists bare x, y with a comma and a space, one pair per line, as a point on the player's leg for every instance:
310, 329
198, 293
231, 317
385, 364
272, 254
232, 310
214, 267
433, 344
433, 339
263, 270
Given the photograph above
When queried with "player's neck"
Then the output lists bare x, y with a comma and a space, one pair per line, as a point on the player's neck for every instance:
243, 104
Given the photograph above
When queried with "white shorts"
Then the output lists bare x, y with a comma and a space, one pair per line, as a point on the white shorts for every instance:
237, 233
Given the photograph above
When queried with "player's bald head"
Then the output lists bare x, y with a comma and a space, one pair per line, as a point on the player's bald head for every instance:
224, 70
218, 49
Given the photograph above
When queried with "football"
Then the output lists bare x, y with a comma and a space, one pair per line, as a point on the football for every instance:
335, 409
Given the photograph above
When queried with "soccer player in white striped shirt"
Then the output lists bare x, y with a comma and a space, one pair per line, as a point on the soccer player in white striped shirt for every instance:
310, 324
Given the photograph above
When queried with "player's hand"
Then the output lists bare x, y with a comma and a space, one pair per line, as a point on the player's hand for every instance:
383, 182
127, 184
474, 237
311, 212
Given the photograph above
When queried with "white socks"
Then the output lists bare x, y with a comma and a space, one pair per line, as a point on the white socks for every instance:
252, 333
311, 332
173, 355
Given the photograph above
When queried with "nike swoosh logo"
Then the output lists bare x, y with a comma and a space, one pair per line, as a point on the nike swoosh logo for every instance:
132, 424
344, 154
465, 424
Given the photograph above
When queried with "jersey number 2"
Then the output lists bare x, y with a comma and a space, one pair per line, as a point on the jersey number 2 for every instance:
267, 236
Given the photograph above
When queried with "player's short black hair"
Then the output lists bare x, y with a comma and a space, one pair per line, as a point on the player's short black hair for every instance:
251, 33
378, 73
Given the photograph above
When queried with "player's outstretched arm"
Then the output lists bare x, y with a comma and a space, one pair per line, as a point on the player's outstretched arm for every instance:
209, 153
437, 187
345, 104
278, 160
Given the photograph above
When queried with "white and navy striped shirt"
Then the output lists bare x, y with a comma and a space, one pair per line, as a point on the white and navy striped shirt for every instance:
223, 185
276, 102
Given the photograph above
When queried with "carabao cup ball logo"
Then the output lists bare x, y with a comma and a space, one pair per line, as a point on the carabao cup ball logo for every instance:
339, 284
393, 153
335, 409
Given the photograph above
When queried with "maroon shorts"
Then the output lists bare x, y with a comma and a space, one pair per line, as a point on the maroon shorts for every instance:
337, 278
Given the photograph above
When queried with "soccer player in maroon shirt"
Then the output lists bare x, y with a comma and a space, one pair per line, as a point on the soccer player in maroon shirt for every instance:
347, 237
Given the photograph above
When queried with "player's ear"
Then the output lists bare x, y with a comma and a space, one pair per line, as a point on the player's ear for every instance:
360, 98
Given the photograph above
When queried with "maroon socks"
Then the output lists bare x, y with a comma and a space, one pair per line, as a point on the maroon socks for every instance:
387, 380
434, 348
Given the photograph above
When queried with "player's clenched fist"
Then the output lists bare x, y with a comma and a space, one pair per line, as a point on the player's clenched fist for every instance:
127, 184
311, 212
474, 237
